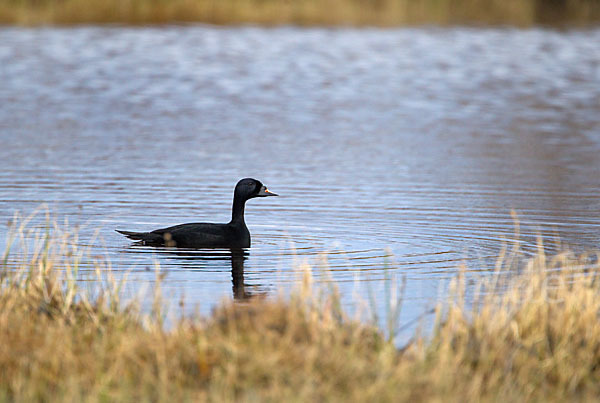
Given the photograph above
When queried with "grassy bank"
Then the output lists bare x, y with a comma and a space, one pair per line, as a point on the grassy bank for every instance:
302, 12
539, 341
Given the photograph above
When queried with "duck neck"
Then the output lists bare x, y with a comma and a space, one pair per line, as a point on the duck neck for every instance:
237, 212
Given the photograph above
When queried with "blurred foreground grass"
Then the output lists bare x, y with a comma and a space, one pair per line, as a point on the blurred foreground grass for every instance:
537, 341
302, 12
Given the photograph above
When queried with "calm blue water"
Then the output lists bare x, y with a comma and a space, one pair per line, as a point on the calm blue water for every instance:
413, 144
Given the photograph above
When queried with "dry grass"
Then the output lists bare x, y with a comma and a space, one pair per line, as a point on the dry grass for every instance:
537, 341
301, 12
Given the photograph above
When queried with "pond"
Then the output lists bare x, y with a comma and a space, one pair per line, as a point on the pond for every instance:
398, 153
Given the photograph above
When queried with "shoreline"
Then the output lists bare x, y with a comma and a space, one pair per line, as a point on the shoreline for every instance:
531, 333
351, 13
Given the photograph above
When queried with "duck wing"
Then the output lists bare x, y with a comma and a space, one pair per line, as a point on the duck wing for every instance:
192, 235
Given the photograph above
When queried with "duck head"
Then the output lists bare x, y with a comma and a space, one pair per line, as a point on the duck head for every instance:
249, 188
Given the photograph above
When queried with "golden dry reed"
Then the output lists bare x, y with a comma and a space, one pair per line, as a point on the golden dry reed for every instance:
531, 334
301, 12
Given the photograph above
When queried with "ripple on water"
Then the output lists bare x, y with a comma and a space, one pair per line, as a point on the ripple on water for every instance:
396, 152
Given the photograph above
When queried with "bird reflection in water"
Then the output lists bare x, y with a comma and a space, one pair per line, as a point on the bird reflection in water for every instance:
198, 259
238, 256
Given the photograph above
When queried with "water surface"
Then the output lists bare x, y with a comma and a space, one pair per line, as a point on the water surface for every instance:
398, 152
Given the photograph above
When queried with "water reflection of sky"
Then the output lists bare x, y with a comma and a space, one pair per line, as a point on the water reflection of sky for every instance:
414, 143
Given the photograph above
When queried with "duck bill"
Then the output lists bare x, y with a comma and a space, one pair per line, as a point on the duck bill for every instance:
266, 192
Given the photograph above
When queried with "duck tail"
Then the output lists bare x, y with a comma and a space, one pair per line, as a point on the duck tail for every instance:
146, 238
139, 236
